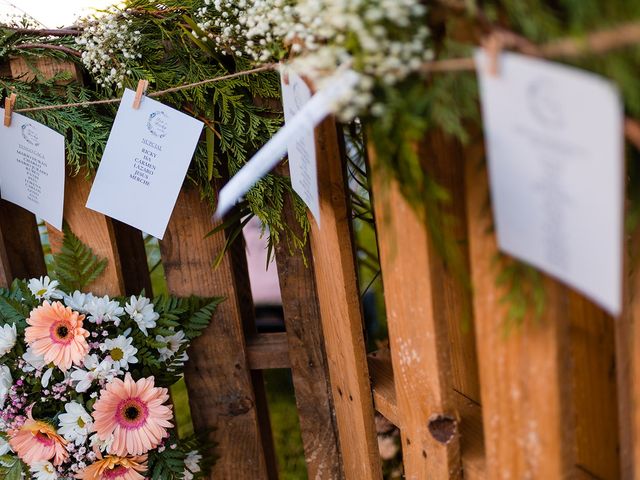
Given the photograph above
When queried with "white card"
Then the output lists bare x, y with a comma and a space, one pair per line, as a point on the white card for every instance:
555, 146
32, 167
301, 150
144, 164
310, 115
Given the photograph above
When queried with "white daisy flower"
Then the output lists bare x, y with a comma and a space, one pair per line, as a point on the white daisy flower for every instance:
102, 445
43, 470
8, 336
46, 376
94, 369
141, 311
4, 447
120, 351
44, 288
104, 310
187, 475
5, 383
34, 362
192, 461
78, 301
75, 424
172, 344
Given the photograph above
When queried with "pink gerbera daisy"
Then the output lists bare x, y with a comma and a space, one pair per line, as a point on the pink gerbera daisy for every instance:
134, 413
38, 441
115, 468
56, 333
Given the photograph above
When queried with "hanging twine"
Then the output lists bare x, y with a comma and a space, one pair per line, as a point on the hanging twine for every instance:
598, 42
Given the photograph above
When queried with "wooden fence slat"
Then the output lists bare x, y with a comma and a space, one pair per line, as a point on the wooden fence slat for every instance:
594, 388
340, 311
268, 350
418, 335
627, 339
218, 376
21, 253
471, 439
525, 374
308, 359
95, 230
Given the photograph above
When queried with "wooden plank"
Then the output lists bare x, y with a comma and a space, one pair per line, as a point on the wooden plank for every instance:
307, 355
218, 376
471, 438
525, 374
95, 230
627, 340
339, 299
594, 388
21, 253
422, 304
47, 67
443, 157
268, 350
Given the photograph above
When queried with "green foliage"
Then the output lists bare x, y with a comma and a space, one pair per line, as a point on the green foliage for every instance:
240, 114
12, 468
76, 266
168, 465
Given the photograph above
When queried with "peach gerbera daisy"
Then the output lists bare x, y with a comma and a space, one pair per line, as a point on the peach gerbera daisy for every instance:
134, 413
38, 441
115, 468
56, 333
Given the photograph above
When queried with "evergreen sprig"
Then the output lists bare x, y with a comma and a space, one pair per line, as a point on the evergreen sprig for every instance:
76, 266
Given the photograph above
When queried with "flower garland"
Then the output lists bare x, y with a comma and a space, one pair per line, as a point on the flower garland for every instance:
83, 382
385, 41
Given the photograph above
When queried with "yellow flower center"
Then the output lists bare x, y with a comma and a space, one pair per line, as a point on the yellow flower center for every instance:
117, 354
41, 292
81, 423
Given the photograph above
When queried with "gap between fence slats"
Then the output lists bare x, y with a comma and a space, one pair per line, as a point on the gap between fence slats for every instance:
218, 377
340, 310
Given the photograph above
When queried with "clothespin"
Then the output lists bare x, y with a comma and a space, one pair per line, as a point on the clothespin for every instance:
140, 91
493, 46
9, 102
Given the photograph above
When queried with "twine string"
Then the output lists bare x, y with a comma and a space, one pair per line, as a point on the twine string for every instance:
599, 42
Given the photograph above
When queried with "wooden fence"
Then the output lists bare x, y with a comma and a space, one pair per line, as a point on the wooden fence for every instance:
555, 398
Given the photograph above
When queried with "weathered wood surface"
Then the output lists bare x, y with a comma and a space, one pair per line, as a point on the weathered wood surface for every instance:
470, 414
593, 361
340, 311
418, 324
268, 350
218, 377
95, 230
307, 356
525, 374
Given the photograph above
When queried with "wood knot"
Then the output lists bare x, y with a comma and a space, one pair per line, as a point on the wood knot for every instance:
443, 427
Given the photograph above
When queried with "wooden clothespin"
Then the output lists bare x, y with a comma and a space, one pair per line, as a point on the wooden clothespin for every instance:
9, 102
140, 91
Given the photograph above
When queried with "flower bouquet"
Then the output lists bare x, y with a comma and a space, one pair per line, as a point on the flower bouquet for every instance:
83, 378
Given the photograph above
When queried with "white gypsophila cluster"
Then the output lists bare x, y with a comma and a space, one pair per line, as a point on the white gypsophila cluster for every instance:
383, 40
252, 29
109, 45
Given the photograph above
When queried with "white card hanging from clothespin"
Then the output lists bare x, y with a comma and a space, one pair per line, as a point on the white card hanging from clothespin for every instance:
301, 150
554, 138
32, 167
144, 163
310, 114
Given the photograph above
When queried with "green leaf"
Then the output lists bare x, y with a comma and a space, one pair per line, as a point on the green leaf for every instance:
76, 266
